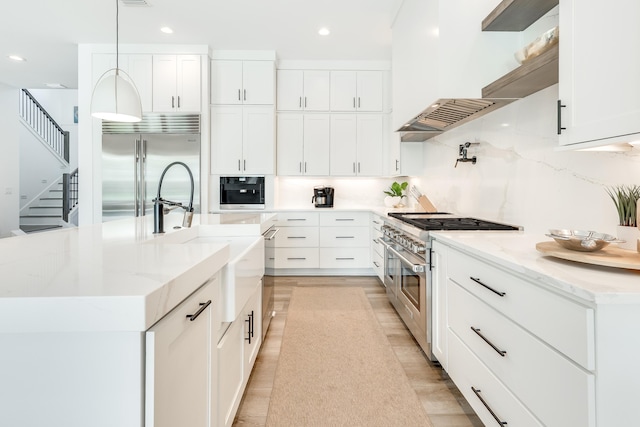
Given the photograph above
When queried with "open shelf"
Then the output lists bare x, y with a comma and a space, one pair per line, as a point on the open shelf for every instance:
516, 15
530, 77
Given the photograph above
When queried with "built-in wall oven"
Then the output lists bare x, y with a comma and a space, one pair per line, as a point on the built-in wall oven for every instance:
242, 192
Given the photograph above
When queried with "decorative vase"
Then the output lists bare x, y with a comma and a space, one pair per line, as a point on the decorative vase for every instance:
630, 235
391, 201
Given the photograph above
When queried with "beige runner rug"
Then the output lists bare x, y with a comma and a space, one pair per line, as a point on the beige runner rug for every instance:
337, 368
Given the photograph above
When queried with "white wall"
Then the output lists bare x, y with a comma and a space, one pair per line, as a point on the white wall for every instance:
9, 171
521, 177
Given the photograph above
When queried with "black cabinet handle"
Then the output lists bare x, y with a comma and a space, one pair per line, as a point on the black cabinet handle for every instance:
493, 414
250, 328
203, 307
500, 352
560, 106
477, 280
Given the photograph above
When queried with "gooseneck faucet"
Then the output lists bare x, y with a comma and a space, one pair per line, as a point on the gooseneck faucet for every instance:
159, 202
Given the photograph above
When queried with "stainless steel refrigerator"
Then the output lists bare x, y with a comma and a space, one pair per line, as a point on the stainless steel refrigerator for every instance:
131, 167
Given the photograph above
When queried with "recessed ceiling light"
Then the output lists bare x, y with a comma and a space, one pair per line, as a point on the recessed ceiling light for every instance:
166, 30
324, 31
16, 58
55, 85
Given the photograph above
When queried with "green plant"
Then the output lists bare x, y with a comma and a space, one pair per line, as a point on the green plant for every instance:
396, 189
625, 197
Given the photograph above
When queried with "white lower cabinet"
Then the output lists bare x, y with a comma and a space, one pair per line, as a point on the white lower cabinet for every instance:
179, 363
230, 367
519, 353
237, 351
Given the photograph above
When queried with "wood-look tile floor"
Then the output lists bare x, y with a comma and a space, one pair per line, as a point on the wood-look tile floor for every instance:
444, 404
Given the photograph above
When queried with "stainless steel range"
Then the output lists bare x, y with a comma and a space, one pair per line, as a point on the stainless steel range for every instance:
407, 264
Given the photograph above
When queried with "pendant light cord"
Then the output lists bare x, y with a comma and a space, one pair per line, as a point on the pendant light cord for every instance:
117, 32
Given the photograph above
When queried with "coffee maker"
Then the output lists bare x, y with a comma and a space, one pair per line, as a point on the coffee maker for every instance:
322, 197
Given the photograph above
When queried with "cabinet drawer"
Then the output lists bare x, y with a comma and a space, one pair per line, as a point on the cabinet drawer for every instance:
269, 257
556, 390
376, 222
296, 258
562, 323
297, 237
344, 219
345, 258
375, 242
296, 219
467, 371
344, 237
378, 264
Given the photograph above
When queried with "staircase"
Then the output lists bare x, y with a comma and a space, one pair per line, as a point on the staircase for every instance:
45, 213
49, 210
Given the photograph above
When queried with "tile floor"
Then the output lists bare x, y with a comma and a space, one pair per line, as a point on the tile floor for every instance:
442, 401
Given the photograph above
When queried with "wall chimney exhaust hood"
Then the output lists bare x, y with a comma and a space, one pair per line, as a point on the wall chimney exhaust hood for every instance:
445, 114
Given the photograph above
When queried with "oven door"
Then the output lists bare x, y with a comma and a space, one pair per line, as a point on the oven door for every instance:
391, 270
411, 284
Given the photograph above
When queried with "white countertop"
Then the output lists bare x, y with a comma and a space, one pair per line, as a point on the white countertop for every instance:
517, 251
116, 276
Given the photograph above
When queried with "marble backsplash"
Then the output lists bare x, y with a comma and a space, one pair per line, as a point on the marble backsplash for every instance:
520, 177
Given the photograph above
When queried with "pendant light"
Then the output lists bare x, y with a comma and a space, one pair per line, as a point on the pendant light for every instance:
115, 97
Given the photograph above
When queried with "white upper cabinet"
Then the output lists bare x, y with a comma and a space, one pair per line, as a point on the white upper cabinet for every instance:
242, 139
599, 69
303, 90
357, 91
176, 83
242, 82
303, 144
356, 144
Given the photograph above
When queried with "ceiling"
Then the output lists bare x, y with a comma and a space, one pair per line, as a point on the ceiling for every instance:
47, 32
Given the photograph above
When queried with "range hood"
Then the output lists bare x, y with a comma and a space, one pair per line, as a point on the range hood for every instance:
445, 114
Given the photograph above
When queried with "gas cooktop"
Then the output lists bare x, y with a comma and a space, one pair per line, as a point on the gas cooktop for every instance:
439, 221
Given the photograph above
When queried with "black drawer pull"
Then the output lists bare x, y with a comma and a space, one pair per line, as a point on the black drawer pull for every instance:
477, 280
203, 307
345, 259
500, 352
296, 219
296, 237
559, 122
345, 237
296, 259
493, 414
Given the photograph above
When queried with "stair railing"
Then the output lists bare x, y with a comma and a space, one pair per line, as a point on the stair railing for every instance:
69, 193
43, 124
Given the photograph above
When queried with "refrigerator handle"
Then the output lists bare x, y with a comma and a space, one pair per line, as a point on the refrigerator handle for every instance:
143, 179
136, 182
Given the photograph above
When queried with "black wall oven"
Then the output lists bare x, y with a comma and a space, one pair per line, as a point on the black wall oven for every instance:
242, 192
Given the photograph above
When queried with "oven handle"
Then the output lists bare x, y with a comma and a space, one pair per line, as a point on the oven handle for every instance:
416, 268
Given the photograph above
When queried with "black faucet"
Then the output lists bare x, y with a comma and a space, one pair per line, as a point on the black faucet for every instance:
159, 202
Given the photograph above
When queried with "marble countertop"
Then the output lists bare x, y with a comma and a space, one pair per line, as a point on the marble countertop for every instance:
115, 276
516, 251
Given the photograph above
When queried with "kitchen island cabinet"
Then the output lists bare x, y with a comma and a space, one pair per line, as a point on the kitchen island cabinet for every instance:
104, 312
534, 340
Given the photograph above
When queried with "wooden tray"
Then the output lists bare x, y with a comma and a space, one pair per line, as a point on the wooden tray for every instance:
611, 256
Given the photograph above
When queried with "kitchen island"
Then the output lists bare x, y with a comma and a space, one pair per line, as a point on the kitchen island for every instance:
97, 323
531, 339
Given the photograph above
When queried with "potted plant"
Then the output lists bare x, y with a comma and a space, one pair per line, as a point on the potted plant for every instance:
625, 198
394, 194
